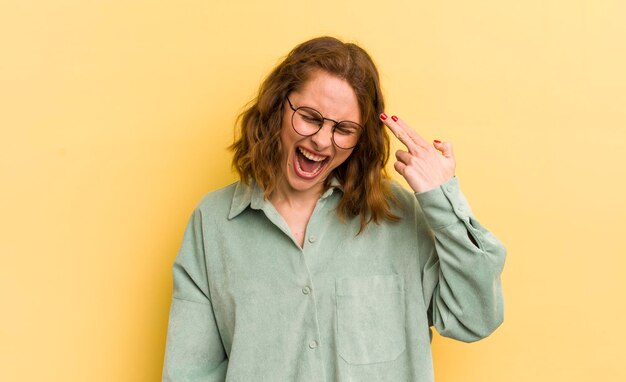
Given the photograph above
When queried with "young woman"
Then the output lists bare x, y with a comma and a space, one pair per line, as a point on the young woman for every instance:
315, 266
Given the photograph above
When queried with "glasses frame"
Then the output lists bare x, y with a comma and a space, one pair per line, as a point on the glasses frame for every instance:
335, 123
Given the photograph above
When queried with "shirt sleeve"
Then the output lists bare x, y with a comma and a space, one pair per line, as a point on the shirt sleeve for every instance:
194, 350
461, 263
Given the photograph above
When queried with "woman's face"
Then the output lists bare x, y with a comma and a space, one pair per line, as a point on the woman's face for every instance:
307, 161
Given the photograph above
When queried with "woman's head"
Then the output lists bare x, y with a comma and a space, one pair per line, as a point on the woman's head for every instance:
320, 128
348, 69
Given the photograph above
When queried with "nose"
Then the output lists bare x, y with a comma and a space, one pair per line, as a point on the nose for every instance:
324, 136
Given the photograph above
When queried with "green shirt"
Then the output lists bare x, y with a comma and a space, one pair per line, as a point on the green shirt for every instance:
250, 305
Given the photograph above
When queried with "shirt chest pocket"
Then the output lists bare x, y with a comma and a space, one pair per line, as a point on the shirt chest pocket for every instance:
370, 318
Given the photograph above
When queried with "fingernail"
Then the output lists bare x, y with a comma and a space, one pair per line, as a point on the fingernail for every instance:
436, 141
395, 119
383, 116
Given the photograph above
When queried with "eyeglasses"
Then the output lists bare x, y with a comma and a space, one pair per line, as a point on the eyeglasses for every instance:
307, 121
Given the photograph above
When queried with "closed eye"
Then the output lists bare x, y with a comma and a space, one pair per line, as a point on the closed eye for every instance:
310, 119
346, 129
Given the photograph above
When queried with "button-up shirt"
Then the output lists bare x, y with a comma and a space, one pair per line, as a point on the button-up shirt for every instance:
250, 304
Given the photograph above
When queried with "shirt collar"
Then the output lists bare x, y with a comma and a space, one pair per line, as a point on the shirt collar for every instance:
252, 195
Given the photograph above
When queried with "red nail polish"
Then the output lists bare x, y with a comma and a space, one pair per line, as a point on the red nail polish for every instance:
395, 119
383, 116
436, 141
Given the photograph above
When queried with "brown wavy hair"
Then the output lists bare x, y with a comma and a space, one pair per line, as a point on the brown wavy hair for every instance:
258, 151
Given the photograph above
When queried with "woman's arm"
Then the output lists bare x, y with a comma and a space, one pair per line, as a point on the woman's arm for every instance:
194, 350
461, 262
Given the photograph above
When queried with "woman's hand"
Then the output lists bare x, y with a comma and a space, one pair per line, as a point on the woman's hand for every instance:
424, 167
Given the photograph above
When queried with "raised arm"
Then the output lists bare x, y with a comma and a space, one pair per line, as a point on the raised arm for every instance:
460, 260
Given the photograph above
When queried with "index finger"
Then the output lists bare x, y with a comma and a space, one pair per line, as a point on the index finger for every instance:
400, 133
415, 137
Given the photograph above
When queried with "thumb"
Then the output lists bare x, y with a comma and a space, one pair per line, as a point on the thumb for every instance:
444, 147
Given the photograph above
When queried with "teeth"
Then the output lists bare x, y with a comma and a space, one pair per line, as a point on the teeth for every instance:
311, 156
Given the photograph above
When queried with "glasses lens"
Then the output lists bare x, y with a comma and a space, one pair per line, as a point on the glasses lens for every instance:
307, 121
346, 134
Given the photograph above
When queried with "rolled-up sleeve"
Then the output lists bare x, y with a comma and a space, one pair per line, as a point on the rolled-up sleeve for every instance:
194, 349
461, 263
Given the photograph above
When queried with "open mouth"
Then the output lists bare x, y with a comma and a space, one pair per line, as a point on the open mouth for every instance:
307, 164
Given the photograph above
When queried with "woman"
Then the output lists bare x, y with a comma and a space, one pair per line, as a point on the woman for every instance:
317, 267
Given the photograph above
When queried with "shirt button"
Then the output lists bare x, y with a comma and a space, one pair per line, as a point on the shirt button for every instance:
313, 344
312, 239
449, 188
306, 290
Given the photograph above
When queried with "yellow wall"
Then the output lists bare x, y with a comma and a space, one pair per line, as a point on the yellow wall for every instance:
115, 116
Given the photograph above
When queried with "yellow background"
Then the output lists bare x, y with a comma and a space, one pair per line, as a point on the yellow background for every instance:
115, 116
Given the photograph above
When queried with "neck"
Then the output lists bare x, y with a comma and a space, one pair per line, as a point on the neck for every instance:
286, 196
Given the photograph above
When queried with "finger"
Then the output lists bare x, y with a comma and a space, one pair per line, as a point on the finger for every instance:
404, 157
445, 148
415, 137
400, 133
399, 167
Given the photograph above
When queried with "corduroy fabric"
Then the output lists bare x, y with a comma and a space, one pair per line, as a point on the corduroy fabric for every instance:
250, 305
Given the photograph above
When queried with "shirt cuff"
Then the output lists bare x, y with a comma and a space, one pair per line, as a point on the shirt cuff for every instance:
444, 205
